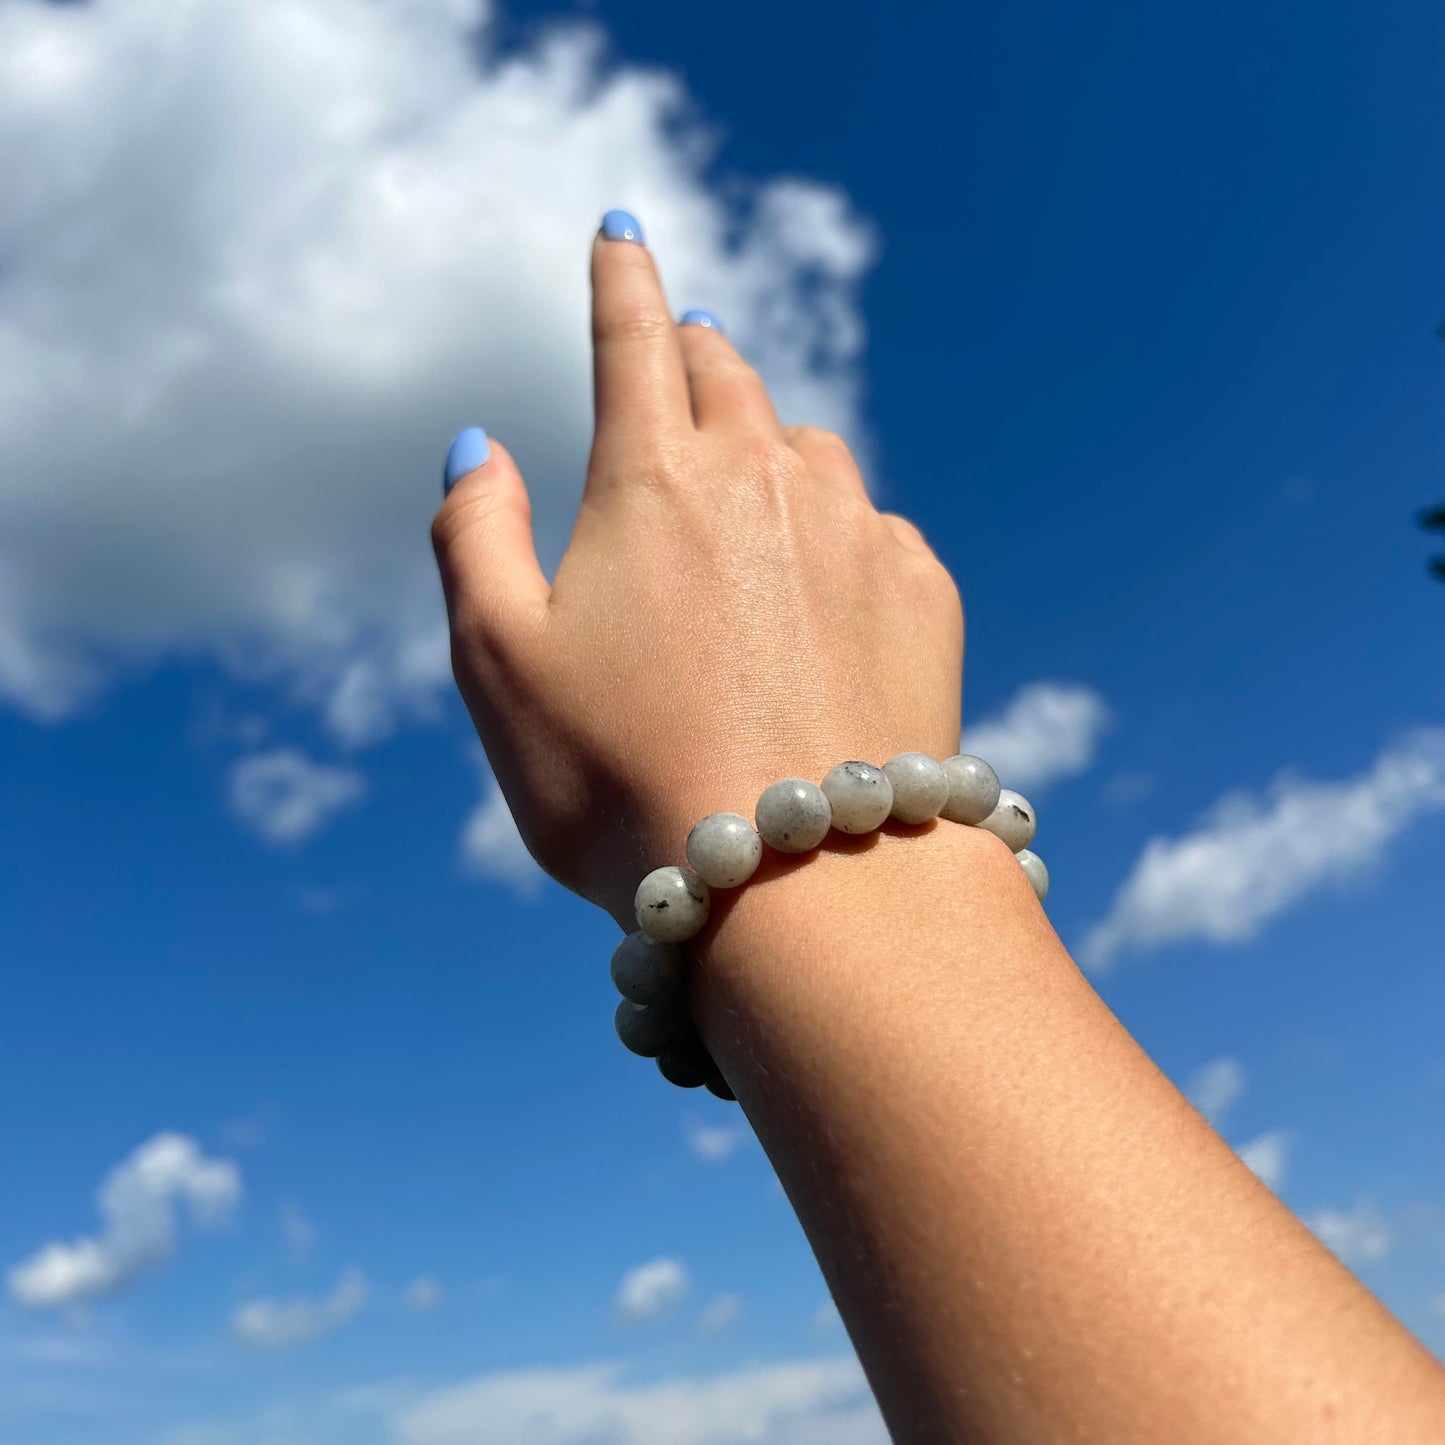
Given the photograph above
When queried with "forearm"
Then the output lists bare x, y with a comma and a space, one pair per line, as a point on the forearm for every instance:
1029, 1233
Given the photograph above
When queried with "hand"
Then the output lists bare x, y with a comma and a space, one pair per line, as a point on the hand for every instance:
731, 608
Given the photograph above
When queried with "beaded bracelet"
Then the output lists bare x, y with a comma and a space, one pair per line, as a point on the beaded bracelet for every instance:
649, 967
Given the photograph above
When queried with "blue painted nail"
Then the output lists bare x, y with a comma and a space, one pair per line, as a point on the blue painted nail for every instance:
700, 318
469, 450
622, 226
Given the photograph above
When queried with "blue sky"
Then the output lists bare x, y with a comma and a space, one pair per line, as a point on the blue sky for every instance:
1132, 311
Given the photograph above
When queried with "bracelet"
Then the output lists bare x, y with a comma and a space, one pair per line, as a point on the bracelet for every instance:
649, 967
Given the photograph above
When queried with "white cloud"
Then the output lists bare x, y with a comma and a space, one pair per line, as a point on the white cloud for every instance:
272, 1323
651, 1288
720, 1313
286, 797
1049, 731
138, 1202
1268, 1156
714, 1142
826, 1316
1216, 1086
808, 1402
491, 846
1358, 1237
423, 1294
366, 228
1251, 859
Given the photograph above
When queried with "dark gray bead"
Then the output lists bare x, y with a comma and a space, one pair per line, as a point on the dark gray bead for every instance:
648, 972
649, 1030
687, 1062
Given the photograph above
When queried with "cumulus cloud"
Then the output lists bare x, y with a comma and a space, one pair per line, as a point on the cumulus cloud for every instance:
1049, 731
285, 797
1358, 1237
1268, 1156
423, 1294
1216, 1086
273, 1324
720, 1313
491, 846
138, 1202
364, 229
809, 1402
651, 1288
1252, 858
714, 1142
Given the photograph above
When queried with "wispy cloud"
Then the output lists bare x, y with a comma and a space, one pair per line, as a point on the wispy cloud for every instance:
1252, 858
805, 1402
1359, 1236
1216, 1086
720, 1313
423, 1295
286, 797
273, 1324
1268, 1156
651, 1288
138, 1202
1049, 731
298, 1231
491, 846
715, 1142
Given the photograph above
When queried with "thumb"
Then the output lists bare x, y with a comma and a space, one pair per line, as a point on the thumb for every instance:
482, 537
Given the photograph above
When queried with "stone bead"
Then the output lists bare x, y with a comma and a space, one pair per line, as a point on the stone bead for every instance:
719, 1086
973, 789
687, 1062
649, 1030
920, 787
724, 850
648, 972
1038, 875
671, 904
793, 815
859, 795
1013, 820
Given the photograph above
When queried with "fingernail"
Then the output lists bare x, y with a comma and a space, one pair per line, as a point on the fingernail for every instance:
468, 451
700, 318
622, 226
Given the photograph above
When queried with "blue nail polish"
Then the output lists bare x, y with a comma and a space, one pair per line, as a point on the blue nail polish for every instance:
469, 450
622, 226
700, 318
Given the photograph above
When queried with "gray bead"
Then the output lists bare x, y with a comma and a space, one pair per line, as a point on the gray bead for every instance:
1013, 820
719, 1086
687, 1062
671, 904
860, 796
648, 972
724, 849
648, 1031
1033, 865
793, 815
920, 787
972, 789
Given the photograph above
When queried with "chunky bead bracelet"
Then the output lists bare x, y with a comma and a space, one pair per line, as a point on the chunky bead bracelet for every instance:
649, 967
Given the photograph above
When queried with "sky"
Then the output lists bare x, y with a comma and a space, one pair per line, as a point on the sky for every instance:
316, 1131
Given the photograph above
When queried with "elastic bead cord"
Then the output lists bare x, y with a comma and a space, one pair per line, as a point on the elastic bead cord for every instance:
724, 850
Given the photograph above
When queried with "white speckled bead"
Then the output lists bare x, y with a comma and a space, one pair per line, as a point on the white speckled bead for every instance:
860, 796
648, 1031
671, 904
920, 787
1013, 820
793, 815
687, 1062
648, 972
1033, 865
972, 789
724, 849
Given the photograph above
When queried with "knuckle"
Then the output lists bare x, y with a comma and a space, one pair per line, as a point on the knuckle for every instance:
634, 325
